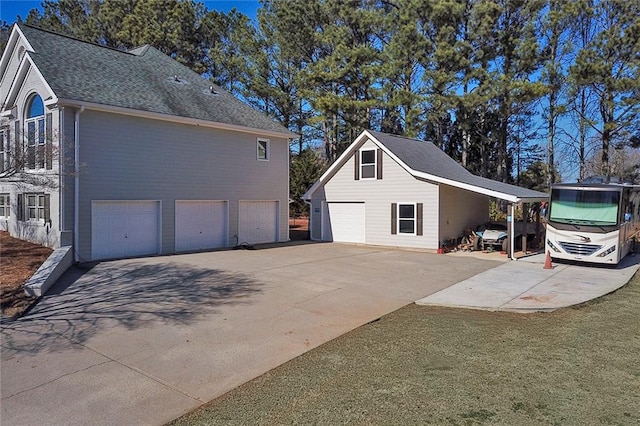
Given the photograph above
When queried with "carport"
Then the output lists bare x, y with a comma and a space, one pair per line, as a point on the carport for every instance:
513, 201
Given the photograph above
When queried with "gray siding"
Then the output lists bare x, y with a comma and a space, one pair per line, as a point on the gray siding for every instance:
397, 186
129, 158
67, 171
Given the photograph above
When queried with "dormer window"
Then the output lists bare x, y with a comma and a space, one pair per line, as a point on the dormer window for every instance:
36, 149
368, 164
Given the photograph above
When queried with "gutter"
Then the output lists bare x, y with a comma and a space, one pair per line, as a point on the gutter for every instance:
76, 182
175, 119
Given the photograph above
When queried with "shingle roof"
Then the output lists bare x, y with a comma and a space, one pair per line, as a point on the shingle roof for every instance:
427, 158
141, 79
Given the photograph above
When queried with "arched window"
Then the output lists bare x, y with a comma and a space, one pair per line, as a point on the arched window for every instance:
37, 153
36, 107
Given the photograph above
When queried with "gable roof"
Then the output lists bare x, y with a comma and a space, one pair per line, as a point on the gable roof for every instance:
142, 79
424, 160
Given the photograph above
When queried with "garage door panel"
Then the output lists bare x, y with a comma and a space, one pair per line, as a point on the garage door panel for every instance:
344, 222
257, 222
200, 225
124, 229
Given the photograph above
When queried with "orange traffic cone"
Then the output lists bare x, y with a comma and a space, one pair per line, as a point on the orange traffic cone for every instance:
547, 261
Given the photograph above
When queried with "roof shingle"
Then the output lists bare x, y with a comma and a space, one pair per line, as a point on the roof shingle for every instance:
142, 79
427, 158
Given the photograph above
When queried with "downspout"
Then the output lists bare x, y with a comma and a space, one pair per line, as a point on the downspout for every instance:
76, 182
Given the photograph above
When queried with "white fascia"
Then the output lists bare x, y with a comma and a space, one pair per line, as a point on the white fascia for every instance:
365, 134
339, 163
27, 64
11, 44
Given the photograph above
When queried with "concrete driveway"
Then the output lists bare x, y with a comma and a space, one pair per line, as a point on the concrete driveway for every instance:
144, 341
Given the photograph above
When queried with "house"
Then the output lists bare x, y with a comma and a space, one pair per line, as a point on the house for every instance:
394, 191
129, 153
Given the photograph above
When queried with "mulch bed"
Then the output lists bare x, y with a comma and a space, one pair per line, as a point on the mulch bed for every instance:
19, 260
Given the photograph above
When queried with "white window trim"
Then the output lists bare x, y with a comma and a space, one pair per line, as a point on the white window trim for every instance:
267, 149
375, 164
40, 197
415, 219
39, 143
7, 206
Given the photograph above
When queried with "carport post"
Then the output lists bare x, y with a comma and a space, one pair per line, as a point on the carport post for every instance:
510, 233
525, 220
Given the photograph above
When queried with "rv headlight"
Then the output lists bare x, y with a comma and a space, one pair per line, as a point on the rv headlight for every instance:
554, 248
607, 252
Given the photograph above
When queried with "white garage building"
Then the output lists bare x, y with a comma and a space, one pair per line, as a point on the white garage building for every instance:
394, 191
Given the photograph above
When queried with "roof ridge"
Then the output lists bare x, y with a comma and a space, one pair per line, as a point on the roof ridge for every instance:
33, 27
402, 137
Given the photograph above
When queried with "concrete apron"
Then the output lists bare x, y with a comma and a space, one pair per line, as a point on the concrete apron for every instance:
144, 341
525, 286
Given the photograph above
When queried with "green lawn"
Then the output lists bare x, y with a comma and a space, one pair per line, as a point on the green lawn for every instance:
422, 365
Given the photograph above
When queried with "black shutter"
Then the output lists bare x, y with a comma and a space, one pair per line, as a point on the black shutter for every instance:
379, 165
419, 219
20, 212
47, 207
48, 150
17, 158
356, 161
394, 218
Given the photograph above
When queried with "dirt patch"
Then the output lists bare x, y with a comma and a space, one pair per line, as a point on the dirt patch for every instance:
299, 228
19, 259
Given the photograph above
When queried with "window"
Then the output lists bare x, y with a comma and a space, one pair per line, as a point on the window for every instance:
4, 150
263, 149
5, 206
406, 218
35, 127
368, 164
33, 207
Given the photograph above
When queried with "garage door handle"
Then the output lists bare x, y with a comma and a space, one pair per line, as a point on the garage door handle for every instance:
125, 235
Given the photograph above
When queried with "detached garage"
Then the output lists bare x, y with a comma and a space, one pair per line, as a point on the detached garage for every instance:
124, 229
394, 191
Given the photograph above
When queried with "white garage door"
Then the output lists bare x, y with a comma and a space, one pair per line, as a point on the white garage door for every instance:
200, 225
257, 222
343, 222
124, 229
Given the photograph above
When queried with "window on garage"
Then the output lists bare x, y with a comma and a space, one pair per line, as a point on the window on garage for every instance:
368, 164
406, 218
263, 149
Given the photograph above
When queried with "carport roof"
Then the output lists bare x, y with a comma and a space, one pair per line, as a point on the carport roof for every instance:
424, 160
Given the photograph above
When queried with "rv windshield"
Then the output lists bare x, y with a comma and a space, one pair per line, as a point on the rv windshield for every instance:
584, 207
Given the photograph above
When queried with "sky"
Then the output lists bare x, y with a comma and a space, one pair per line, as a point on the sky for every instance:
10, 9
